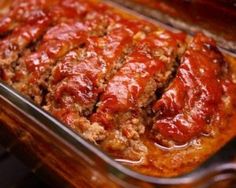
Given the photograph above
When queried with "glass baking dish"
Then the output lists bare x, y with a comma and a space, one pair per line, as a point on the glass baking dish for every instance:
65, 159
52, 149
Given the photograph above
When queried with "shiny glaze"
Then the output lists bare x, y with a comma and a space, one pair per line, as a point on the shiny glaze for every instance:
63, 37
32, 28
19, 13
82, 74
126, 87
69, 68
59, 10
68, 33
193, 98
55, 44
10, 48
36, 23
70, 9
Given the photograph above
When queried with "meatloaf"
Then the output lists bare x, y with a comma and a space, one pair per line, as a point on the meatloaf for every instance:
154, 99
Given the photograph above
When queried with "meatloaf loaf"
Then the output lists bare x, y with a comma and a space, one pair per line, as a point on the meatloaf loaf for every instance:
154, 99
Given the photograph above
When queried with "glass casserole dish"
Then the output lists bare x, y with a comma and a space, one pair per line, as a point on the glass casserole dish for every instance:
56, 145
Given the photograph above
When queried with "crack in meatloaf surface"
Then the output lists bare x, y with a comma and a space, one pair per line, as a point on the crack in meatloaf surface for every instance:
114, 78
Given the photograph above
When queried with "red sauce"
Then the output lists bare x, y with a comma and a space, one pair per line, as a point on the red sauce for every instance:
192, 99
71, 9
21, 37
91, 55
99, 60
35, 26
126, 87
78, 89
19, 13
56, 43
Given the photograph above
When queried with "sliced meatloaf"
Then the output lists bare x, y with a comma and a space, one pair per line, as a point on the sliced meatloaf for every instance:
154, 99
120, 110
34, 68
79, 79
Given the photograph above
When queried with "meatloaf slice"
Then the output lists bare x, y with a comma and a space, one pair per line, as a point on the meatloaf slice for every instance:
12, 47
191, 103
34, 69
120, 110
64, 10
59, 10
19, 12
